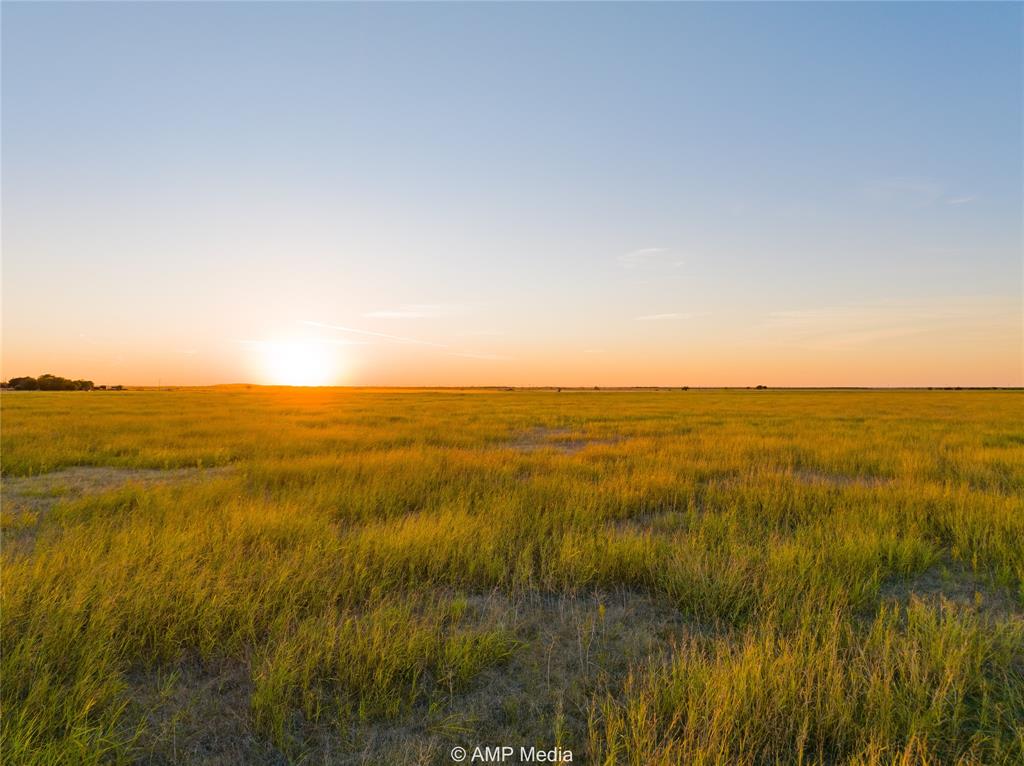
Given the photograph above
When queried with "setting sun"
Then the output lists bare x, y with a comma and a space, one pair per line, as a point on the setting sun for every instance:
298, 363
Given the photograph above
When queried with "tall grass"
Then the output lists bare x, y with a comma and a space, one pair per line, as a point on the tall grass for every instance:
341, 557
933, 686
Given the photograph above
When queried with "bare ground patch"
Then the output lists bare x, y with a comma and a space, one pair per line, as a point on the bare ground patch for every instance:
27, 499
572, 646
561, 440
197, 713
811, 476
953, 583
43, 491
655, 523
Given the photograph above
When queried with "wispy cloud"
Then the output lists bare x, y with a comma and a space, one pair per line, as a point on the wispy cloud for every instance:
651, 259
656, 317
914, 192
478, 355
406, 339
905, 190
841, 327
273, 343
416, 311
344, 342
388, 336
643, 255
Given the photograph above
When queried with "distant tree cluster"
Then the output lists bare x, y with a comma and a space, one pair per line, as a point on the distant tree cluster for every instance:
49, 382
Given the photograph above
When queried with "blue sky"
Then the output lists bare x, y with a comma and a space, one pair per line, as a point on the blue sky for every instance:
565, 194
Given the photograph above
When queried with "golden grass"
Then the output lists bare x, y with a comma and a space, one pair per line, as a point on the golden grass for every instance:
375, 565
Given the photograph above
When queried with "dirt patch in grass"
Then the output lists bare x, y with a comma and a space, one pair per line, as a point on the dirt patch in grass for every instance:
573, 646
809, 476
196, 713
656, 523
953, 583
561, 440
41, 492
25, 500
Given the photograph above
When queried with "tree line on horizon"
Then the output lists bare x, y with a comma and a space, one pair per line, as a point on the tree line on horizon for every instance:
48, 382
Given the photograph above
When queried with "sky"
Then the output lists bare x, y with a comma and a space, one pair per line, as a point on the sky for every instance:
513, 194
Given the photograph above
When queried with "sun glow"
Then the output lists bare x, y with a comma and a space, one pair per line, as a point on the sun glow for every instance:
299, 363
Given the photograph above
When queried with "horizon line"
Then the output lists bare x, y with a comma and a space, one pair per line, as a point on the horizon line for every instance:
548, 387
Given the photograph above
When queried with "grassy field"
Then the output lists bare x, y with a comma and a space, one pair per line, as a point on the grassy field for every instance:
679, 577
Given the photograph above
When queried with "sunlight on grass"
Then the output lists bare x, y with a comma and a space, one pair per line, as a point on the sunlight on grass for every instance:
442, 562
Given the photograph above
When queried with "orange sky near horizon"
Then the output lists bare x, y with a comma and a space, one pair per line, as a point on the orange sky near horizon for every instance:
884, 348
